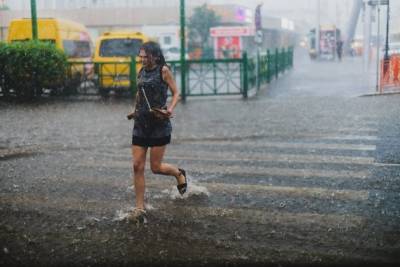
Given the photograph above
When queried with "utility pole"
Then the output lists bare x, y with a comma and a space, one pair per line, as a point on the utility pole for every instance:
352, 25
367, 34
34, 20
183, 49
386, 61
378, 46
318, 29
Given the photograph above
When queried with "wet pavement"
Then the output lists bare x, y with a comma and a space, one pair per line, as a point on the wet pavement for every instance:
306, 173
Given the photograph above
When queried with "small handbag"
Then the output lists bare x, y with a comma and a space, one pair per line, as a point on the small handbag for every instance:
159, 113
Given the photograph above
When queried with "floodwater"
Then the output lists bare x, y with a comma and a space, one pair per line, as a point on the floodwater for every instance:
304, 173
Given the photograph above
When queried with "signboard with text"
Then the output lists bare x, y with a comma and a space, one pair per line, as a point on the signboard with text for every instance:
232, 31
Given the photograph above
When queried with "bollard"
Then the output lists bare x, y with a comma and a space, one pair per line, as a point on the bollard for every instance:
276, 63
258, 83
291, 56
268, 66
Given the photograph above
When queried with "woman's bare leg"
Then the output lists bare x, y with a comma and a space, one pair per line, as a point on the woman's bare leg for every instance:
158, 167
139, 162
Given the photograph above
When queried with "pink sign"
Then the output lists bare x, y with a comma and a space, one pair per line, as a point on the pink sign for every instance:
232, 31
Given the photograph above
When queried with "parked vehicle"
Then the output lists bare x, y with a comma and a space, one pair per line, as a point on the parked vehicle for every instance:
329, 36
112, 57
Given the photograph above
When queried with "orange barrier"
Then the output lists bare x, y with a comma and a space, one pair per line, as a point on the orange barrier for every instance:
391, 79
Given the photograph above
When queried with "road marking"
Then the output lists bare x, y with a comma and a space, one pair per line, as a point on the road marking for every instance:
240, 156
242, 215
260, 157
294, 136
288, 191
320, 193
154, 182
266, 145
246, 171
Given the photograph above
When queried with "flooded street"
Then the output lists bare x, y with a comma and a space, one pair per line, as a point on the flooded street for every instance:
306, 172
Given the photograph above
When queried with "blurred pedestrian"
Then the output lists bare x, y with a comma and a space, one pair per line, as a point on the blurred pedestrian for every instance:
152, 127
339, 49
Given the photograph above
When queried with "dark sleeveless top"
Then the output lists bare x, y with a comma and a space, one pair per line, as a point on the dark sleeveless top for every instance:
146, 124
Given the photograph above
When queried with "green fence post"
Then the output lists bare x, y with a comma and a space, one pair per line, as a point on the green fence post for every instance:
132, 75
268, 66
245, 75
291, 57
215, 77
272, 65
283, 61
287, 59
258, 70
276, 63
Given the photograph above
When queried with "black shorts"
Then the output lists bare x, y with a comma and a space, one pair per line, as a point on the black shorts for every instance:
150, 142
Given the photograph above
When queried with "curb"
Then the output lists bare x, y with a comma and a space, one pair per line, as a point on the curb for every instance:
381, 94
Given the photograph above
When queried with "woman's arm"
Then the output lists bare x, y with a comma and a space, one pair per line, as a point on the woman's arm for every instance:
169, 79
132, 114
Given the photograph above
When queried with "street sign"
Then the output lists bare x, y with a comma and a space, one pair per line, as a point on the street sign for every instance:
257, 19
258, 38
231, 31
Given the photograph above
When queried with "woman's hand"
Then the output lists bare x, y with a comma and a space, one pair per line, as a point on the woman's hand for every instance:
170, 111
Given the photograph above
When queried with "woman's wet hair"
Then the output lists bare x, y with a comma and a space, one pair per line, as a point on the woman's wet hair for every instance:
154, 49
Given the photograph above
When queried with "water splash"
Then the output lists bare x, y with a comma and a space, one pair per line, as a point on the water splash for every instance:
121, 215
194, 190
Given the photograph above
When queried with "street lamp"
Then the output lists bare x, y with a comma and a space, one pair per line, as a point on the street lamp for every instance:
386, 60
378, 46
387, 31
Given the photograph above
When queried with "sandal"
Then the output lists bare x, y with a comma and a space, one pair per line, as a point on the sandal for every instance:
182, 188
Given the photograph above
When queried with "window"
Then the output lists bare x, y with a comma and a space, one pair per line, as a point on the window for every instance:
167, 40
120, 47
76, 49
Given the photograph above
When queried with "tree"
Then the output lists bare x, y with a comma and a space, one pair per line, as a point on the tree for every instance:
199, 27
3, 6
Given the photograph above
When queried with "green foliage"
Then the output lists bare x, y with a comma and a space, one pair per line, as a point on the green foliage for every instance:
199, 26
2, 66
28, 67
4, 7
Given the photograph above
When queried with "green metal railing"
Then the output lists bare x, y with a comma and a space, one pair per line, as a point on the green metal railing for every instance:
266, 66
206, 77
203, 77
